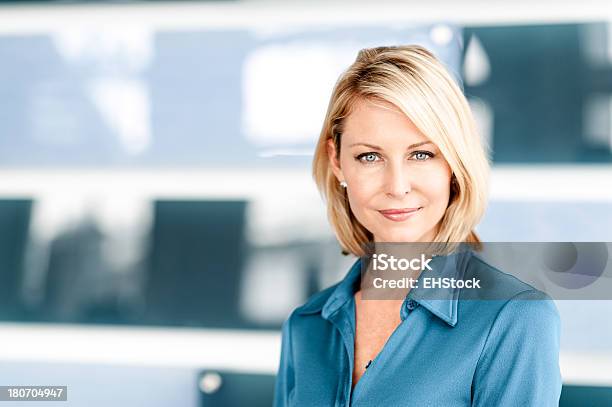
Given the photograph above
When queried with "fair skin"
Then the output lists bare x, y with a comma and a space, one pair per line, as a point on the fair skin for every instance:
388, 164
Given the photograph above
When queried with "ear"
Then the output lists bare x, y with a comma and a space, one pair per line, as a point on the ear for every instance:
333, 160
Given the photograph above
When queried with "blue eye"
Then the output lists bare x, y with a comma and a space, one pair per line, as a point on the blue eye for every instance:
422, 155
368, 158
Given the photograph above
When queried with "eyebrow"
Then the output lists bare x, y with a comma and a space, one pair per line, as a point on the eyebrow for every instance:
378, 148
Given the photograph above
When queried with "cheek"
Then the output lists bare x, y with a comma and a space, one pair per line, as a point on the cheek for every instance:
436, 186
361, 194
363, 185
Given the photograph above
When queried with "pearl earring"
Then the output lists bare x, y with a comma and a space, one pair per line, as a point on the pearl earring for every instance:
343, 184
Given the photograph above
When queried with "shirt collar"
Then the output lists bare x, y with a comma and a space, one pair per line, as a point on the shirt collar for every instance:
344, 290
441, 302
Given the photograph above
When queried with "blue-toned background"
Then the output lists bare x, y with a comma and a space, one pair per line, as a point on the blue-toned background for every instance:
158, 220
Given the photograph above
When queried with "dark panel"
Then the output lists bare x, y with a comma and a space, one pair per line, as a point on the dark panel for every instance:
586, 396
197, 257
237, 390
14, 224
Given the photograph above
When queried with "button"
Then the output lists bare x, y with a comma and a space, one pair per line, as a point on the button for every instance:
408, 307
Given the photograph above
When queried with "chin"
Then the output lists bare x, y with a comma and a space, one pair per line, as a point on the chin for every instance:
403, 234
401, 237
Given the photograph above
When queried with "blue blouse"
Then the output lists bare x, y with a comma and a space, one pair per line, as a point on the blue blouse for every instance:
445, 352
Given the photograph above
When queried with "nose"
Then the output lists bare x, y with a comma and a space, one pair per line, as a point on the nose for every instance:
397, 181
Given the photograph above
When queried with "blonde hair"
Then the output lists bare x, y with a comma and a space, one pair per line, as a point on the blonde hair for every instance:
413, 80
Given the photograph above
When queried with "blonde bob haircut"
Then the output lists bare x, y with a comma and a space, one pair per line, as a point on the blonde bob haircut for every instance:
413, 80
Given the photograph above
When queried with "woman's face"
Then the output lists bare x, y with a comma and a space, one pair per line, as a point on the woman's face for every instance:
398, 181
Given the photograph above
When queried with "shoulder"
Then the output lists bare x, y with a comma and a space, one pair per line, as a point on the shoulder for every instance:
514, 305
520, 355
519, 361
522, 328
530, 312
305, 328
496, 283
315, 303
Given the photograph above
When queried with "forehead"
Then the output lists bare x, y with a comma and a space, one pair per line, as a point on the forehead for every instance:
380, 122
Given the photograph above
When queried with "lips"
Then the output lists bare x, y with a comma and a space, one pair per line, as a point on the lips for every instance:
399, 215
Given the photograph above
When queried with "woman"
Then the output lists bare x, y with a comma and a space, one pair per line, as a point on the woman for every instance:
398, 160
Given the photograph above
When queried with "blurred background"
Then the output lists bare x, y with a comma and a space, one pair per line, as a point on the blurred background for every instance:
158, 220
